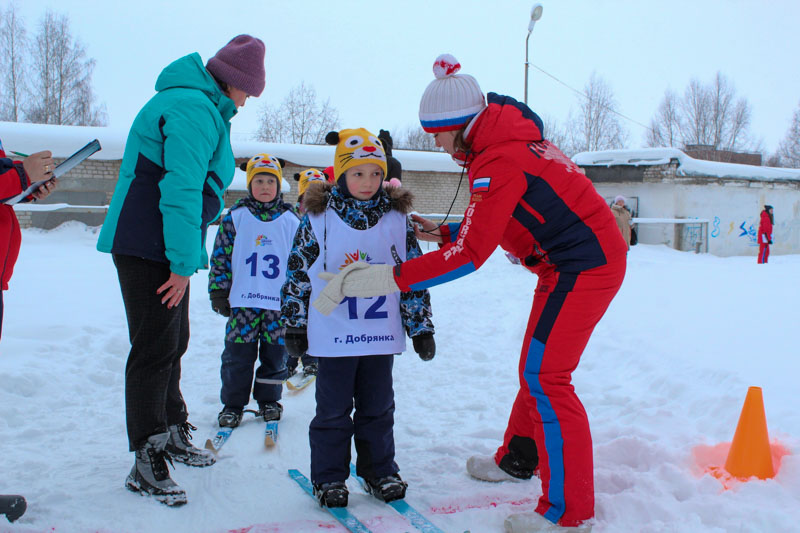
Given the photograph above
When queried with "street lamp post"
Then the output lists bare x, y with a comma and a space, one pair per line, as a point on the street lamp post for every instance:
536, 14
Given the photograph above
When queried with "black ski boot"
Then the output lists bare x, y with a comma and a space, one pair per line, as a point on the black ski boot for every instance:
180, 448
291, 366
333, 494
270, 411
310, 369
387, 489
229, 418
149, 475
13, 506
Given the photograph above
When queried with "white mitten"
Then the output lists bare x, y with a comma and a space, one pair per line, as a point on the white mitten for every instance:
332, 295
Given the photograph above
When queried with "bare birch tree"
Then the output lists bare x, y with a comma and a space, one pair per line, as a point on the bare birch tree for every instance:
415, 138
707, 115
12, 49
789, 149
299, 119
556, 134
665, 127
597, 125
61, 77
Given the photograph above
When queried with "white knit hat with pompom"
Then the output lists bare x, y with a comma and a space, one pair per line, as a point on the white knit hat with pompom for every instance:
451, 100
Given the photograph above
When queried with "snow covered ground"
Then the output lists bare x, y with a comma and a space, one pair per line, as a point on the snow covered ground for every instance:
666, 370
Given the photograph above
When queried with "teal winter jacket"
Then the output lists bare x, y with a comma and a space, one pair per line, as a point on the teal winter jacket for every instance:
177, 164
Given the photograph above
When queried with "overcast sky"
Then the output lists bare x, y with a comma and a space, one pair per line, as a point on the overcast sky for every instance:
373, 59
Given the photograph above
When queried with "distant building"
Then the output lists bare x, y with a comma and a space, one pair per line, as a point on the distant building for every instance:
706, 152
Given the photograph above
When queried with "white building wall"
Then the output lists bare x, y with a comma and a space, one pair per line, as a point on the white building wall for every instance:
733, 208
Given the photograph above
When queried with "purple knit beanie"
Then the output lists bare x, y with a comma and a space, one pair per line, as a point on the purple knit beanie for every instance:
240, 64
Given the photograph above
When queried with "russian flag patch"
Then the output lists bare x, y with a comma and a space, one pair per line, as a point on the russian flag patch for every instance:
481, 184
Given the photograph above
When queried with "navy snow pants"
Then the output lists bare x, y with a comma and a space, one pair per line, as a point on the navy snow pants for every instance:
237, 373
363, 382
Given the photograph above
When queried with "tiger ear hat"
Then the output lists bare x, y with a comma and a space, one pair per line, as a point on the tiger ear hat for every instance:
355, 147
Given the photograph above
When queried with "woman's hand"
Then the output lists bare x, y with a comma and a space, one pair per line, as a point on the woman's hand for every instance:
45, 189
174, 289
426, 230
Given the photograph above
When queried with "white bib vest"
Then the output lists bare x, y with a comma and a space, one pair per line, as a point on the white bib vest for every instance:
259, 258
358, 326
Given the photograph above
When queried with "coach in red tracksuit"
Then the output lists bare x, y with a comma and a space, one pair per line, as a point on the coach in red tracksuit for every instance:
15, 177
534, 202
765, 234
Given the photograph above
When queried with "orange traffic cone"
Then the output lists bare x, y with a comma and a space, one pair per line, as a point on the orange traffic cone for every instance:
750, 453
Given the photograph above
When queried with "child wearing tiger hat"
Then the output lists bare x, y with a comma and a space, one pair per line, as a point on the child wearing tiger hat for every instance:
304, 179
248, 267
354, 219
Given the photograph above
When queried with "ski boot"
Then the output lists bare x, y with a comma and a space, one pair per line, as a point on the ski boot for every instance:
387, 489
149, 475
310, 369
181, 449
270, 411
333, 494
13, 506
229, 417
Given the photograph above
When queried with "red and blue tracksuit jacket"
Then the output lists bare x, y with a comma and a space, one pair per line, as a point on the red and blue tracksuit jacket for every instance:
764, 236
533, 201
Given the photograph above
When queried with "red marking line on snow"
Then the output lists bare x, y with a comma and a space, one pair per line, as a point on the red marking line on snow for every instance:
485, 504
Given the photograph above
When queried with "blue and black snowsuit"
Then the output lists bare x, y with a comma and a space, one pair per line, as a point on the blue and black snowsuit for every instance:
250, 333
362, 381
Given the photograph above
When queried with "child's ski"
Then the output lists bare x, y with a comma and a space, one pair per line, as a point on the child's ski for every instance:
412, 515
271, 433
345, 517
219, 439
300, 381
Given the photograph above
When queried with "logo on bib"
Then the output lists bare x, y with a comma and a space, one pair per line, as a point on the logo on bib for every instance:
263, 240
355, 256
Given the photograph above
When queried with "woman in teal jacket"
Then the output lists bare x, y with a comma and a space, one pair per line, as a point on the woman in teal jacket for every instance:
177, 164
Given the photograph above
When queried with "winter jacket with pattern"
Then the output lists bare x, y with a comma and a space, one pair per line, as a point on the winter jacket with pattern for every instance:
176, 166
13, 180
527, 197
246, 324
415, 306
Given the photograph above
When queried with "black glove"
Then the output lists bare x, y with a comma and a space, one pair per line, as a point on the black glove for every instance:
296, 341
219, 302
425, 346
769, 242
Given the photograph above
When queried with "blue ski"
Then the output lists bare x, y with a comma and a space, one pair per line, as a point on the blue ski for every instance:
271, 433
345, 517
217, 441
412, 515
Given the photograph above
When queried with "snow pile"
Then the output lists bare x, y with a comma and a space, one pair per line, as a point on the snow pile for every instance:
687, 166
666, 370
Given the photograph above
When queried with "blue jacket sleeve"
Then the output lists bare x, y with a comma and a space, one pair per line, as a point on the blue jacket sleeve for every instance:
415, 306
296, 290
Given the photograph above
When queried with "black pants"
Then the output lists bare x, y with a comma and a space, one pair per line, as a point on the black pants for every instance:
236, 372
366, 383
159, 337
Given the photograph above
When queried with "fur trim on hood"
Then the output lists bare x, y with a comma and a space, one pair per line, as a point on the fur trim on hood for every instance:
316, 198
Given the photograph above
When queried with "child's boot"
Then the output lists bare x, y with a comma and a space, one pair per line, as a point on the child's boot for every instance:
534, 522
180, 448
270, 411
333, 494
485, 468
229, 417
149, 475
387, 489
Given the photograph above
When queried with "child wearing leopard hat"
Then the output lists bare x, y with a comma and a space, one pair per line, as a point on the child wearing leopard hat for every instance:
355, 219
248, 267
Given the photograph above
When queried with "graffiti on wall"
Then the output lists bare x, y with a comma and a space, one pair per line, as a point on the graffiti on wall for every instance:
692, 234
749, 233
715, 227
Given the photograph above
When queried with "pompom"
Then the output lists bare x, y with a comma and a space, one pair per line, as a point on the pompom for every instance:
332, 138
296, 176
243, 166
281, 162
445, 65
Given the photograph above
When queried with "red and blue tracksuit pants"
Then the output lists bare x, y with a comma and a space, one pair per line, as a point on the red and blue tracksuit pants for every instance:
566, 308
763, 252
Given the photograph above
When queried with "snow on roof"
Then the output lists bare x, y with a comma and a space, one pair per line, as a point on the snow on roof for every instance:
63, 141
687, 166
